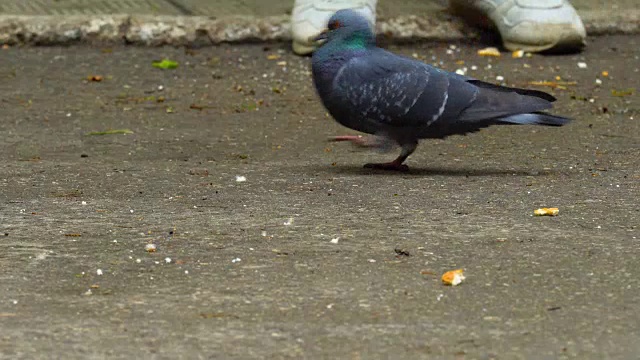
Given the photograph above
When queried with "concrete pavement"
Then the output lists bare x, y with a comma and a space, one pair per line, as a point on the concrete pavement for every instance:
273, 244
201, 22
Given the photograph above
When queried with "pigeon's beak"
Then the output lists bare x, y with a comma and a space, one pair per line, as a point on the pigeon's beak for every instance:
320, 37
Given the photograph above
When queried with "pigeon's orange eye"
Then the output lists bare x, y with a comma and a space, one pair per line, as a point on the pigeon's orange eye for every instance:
334, 25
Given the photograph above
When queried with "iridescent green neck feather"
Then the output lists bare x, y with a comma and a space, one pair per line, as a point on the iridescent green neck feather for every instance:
359, 40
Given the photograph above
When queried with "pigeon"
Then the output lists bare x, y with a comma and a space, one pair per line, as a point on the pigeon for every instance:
400, 100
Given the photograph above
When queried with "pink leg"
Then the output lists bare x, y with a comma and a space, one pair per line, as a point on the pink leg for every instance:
358, 140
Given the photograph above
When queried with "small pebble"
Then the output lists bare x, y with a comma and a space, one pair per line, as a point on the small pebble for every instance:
99, 271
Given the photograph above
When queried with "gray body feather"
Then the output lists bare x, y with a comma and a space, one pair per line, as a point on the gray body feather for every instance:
379, 92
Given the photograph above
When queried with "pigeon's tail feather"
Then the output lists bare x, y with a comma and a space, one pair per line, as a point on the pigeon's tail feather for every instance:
528, 92
537, 118
498, 103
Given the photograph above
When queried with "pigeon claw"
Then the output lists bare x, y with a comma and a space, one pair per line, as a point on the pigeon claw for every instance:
388, 166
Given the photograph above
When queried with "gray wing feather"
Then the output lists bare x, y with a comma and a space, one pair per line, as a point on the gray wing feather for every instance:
389, 90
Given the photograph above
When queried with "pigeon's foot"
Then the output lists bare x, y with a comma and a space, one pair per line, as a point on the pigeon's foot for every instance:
396, 165
389, 166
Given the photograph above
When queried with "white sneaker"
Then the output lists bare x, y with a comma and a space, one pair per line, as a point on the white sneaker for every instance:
529, 25
309, 18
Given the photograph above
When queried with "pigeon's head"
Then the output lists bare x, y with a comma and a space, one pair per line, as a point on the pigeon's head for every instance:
347, 25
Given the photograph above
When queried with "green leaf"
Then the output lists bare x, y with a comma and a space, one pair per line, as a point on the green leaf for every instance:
625, 92
165, 64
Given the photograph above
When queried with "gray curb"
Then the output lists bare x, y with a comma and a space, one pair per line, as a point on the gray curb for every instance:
150, 30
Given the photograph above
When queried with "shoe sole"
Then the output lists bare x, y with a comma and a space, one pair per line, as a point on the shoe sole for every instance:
302, 49
570, 40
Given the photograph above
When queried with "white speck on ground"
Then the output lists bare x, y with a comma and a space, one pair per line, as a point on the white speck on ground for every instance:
150, 248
